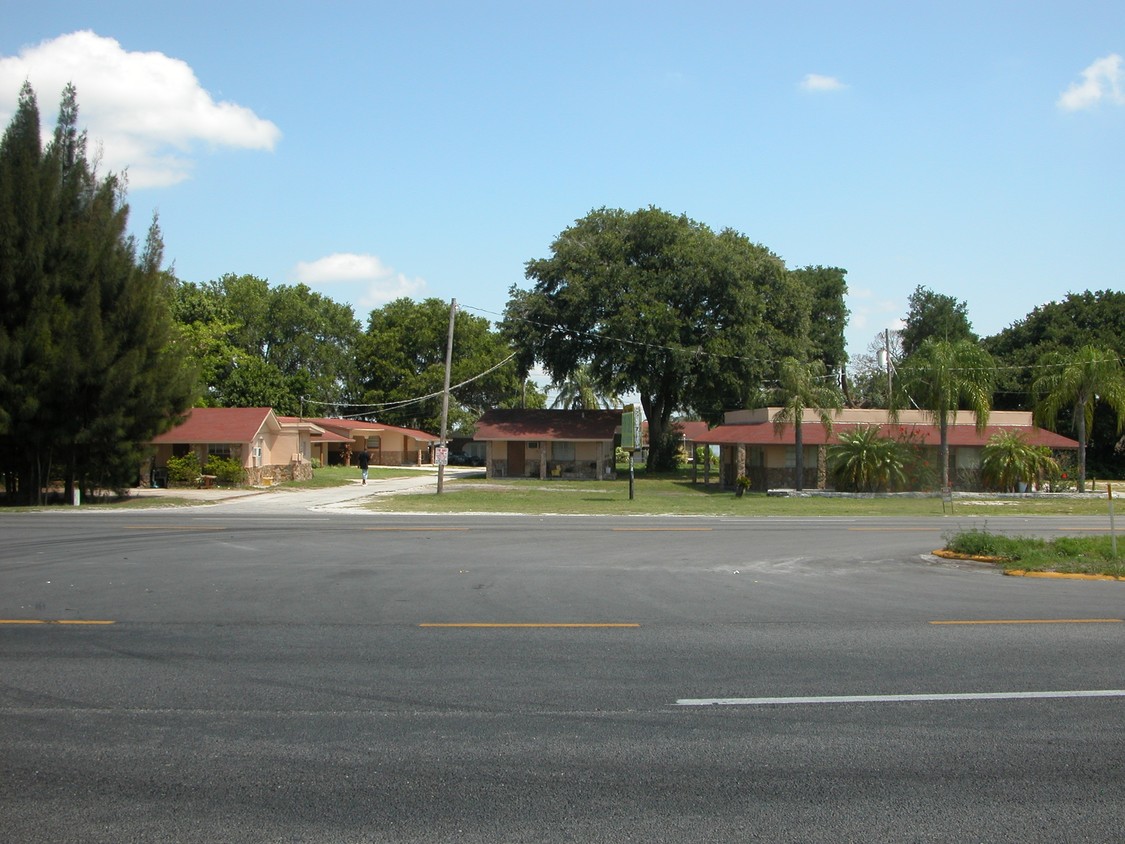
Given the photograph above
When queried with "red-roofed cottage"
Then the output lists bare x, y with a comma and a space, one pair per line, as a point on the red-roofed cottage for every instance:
388, 445
550, 443
770, 455
270, 448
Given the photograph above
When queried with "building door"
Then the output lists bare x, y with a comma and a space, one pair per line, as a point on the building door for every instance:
517, 459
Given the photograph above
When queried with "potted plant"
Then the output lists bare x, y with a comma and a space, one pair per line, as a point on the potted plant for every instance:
741, 484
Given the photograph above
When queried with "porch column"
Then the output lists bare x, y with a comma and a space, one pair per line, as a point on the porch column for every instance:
739, 461
822, 467
544, 450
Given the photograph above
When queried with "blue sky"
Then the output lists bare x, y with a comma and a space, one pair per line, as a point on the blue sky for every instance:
377, 150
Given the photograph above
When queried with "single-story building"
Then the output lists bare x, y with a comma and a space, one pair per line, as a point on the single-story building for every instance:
388, 445
270, 448
768, 456
550, 443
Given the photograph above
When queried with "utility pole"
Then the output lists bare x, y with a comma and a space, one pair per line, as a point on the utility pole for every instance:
884, 358
890, 367
443, 448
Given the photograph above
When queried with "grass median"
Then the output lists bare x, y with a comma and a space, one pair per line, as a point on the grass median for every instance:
1086, 555
675, 494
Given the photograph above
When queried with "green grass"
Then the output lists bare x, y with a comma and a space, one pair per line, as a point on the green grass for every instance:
329, 476
1064, 554
675, 494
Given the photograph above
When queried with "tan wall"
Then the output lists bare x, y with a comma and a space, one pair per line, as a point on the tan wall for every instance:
277, 449
867, 416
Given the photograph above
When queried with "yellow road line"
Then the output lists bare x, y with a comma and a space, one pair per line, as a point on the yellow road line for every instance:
52, 621
1037, 621
423, 529
663, 530
523, 624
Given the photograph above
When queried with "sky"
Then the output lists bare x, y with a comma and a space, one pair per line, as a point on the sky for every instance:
377, 150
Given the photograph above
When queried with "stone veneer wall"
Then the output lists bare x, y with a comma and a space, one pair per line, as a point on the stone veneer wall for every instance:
279, 472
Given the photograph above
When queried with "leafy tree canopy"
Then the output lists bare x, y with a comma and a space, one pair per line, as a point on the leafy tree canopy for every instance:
1090, 318
257, 345
401, 357
828, 314
937, 316
661, 306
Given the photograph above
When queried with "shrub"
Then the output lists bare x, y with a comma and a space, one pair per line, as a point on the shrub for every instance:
981, 543
184, 470
1009, 460
864, 461
226, 470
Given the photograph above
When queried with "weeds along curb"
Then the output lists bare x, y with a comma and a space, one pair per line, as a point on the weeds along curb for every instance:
1053, 575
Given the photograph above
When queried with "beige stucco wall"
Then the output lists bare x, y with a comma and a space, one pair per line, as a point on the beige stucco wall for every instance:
866, 416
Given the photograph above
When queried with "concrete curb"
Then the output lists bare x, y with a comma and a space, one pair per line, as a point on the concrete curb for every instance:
1052, 575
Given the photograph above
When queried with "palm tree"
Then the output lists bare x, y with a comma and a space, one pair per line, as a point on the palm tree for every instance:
865, 461
1077, 379
804, 387
1009, 459
579, 392
945, 376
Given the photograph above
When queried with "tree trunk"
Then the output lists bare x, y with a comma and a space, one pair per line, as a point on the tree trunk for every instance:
943, 451
799, 444
657, 415
1080, 420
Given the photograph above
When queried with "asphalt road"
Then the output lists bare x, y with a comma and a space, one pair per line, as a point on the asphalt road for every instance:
318, 675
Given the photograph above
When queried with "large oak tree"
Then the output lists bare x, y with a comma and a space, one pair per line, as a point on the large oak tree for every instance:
661, 306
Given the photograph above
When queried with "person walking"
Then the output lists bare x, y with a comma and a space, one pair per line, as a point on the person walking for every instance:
363, 460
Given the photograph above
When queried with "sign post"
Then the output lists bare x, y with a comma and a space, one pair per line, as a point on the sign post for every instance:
630, 439
1112, 530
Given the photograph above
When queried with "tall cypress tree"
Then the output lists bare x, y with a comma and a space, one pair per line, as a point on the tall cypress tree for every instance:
89, 319
26, 330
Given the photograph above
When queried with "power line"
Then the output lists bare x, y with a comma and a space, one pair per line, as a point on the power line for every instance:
407, 402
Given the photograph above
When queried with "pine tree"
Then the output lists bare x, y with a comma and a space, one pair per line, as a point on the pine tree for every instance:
89, 375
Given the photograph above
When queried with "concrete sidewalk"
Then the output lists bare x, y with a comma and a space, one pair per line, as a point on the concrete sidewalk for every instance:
289, 499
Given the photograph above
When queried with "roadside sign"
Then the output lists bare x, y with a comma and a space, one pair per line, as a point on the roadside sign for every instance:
630, 428
441, 455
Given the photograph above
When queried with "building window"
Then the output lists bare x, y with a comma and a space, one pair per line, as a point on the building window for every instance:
562, 451
222, 450
533, 446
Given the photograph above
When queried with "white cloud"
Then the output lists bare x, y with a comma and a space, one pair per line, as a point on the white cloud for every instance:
1104, 79
817, 83
378, 283
146, 111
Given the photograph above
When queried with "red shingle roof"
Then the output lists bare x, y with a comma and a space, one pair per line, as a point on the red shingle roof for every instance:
219, 425
344, 426
528, 425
